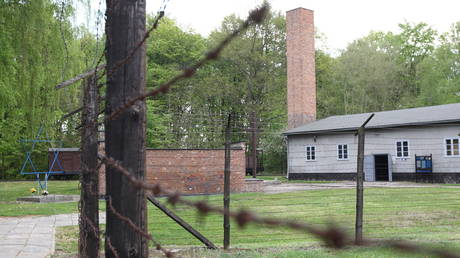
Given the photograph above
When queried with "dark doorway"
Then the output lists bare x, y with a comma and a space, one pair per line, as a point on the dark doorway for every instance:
381, 167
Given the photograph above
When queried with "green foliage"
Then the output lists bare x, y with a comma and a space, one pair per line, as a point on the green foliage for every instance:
249, 76
386, 71
39, 48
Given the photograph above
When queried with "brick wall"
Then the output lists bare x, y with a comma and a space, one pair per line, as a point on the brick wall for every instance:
195, 171
301, 82
199, 171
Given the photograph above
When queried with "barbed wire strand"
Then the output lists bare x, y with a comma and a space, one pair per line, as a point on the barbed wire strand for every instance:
332, 236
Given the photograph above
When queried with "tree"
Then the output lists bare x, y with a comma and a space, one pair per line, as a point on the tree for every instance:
440, 72
416, 43
39, 48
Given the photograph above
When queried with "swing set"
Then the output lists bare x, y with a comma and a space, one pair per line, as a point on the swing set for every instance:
55, 167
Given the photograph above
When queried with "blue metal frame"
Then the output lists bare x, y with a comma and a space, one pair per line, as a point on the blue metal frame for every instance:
42, 184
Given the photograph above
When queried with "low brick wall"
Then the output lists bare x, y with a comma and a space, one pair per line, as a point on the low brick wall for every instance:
192, 171
199, 171
253, 185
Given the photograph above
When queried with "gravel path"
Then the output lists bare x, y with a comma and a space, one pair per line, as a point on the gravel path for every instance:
272, 188
33, 237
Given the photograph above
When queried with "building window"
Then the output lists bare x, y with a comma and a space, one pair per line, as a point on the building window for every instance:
402, 149
310, 153
452, 147
342, 151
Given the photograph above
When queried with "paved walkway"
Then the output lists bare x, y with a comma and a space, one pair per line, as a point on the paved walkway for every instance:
273, 188
33, 237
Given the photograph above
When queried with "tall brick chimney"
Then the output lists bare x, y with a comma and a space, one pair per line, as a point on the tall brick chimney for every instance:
301, 82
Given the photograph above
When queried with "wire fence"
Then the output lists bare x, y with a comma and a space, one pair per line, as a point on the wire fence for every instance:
425, 214
310, 218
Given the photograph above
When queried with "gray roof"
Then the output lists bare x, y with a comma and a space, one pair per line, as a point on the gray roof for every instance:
449, 113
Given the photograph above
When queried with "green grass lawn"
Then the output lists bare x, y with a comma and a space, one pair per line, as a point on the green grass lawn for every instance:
9, 191
430, 215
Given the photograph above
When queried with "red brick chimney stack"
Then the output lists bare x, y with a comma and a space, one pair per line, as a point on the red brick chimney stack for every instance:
301, 82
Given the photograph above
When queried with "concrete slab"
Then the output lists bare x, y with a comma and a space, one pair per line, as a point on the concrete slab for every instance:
33, 237
18, 236
19, 242
9, 253
49, 198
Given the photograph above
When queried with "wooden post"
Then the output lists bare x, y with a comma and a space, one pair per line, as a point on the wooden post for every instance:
227, 183
359, 187
181, 222
254, 144
89, 204
125, 134
359, 184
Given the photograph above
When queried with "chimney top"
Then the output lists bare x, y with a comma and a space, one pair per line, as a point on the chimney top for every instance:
300, 8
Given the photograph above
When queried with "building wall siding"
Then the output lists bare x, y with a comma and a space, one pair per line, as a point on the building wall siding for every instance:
422, 141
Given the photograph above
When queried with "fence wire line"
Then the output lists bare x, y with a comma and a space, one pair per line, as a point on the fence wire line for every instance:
255, 16
136, 228
333, 236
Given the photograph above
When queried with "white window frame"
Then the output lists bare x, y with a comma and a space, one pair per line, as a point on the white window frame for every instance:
402, 149
343, 152
452, 145
310, 157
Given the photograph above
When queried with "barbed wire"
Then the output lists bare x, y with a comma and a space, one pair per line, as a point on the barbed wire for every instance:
256, 16
111, 247
332, 236
136, 228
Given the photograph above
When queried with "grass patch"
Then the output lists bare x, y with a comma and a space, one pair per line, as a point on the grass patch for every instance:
9, 191
430, 215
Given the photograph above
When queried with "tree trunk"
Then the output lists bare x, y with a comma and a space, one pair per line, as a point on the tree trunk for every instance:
125, 134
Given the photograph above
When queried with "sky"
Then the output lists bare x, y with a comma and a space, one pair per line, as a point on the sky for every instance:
339, 20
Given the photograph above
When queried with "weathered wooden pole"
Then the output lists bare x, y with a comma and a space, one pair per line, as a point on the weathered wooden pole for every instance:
359, 183
181, 222
89, 204
125, 134
228, 131
254, 144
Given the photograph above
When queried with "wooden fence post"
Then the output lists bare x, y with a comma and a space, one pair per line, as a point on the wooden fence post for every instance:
125, 134
227, 183
254, 144
89, 204
359, 183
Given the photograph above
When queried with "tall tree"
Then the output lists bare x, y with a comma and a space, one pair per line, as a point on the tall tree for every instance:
38, 48
416, 43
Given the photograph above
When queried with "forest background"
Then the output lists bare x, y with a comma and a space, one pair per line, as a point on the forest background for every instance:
40, 47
